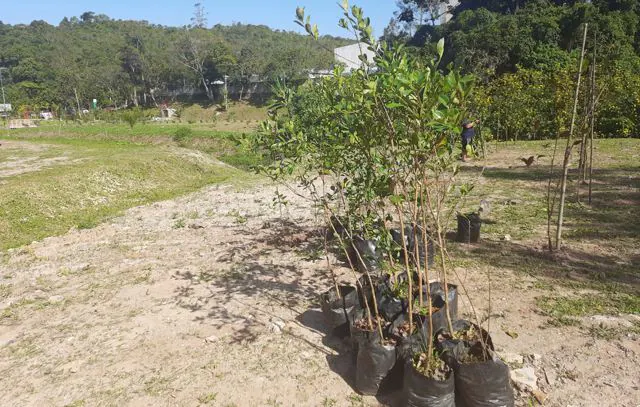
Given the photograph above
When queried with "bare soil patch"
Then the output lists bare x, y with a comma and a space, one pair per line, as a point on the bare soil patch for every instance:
211, 299
18, 164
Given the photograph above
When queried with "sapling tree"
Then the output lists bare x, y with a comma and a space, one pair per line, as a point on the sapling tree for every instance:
562, 184
375, 151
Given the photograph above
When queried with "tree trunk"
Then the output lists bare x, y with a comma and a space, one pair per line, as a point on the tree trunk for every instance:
582, 165
207, 88
567, 151
153, 98
135, 96
593, 112
75, 91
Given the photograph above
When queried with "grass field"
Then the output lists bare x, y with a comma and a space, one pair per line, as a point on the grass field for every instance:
61, 175
600, 241
52, 185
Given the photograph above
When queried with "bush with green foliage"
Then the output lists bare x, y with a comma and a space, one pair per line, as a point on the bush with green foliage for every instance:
526, 54
182, 134
132, 116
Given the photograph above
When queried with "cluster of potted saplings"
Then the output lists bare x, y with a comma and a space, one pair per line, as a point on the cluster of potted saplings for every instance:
403, 324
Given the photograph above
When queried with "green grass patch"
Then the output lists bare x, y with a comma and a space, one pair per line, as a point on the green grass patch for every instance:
99, 180
140, 134
608, 303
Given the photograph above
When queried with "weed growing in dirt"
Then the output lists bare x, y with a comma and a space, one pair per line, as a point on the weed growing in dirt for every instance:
327, 402
24, 348
179, 224
207, 398
609, 303
356, 400
5, 291
44, 283
604, 332
77, 403
563, 320
238, 217
156, 386
142, 279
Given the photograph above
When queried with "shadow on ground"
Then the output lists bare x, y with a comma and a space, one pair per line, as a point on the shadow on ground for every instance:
221, 299
567, 265
614, 212
343, 362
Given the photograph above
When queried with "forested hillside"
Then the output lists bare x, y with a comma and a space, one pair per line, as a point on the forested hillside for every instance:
123, 63
525, 53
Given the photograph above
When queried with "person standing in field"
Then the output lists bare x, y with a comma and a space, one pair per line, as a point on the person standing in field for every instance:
468, 132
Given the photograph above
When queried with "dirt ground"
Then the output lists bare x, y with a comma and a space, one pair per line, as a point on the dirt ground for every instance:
210, 299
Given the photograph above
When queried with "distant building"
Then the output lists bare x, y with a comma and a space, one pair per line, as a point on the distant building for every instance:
167, 112
5, 107
350, 56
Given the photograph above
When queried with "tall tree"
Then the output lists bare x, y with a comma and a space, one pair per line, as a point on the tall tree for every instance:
199, 19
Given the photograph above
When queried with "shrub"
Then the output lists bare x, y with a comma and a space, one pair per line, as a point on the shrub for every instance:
132, 116
182, 134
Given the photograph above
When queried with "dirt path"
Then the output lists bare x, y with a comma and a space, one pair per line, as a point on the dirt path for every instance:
208, 299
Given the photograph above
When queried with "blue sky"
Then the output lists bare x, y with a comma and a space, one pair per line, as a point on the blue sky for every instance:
276, 14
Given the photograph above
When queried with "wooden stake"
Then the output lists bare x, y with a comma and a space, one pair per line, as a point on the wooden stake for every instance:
593, 112
567, 151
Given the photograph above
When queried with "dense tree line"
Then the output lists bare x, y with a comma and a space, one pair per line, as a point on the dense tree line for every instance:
525, 53
126, 63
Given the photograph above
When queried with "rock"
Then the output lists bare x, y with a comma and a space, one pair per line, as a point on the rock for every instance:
550, 376
195, 226
506, 238
77, 268
55, 299
277, 325
540, 396
525, 379
513, 358
536, 356
6, 342
211, 339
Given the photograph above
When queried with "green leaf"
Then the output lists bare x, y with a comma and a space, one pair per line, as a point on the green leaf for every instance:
396, 199
393, 105
345, 5
300, 13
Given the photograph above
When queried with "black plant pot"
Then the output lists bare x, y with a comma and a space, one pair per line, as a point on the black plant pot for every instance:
484, 384
422, 391
337, 228
439, 318
412, 237
336, 309
468, 228
364, 255
374, 361
482, 380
